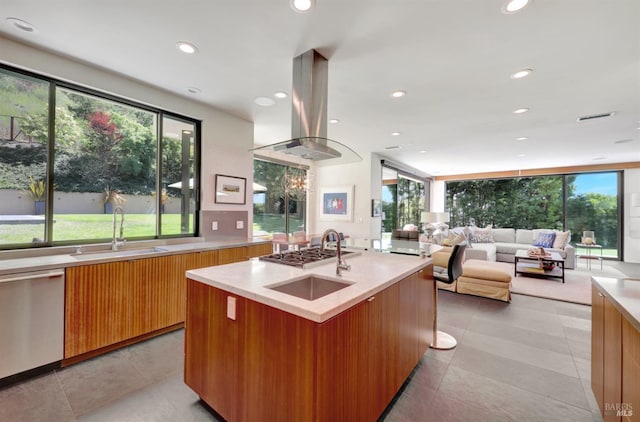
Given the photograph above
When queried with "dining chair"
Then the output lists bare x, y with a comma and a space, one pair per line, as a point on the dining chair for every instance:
276, 239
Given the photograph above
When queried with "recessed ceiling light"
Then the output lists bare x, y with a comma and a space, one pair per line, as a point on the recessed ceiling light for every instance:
186, 47
194, 90
599, 157
520, 110
395, 133
623, 141
334, 121
522, 138
513, 6
392, 147
521, 74
22, 25
423, 151
398, 94
522, 155
264, 101
280, 94
302, 6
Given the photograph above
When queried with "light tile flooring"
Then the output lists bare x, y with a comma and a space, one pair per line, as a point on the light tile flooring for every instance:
524, 361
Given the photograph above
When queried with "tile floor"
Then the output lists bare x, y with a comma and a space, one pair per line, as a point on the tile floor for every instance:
524, 361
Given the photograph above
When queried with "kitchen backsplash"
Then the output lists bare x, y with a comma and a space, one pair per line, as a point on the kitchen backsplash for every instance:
225, 225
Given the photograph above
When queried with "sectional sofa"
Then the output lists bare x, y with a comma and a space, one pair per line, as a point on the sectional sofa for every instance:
501, 244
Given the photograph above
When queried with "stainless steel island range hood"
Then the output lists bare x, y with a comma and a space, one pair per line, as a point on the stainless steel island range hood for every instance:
309, 115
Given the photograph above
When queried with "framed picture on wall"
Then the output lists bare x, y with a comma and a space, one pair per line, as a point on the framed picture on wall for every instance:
230, 189
376, 208
336, 203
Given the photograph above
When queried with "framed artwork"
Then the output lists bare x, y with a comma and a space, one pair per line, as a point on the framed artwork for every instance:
336, 203
376, 208
230, 189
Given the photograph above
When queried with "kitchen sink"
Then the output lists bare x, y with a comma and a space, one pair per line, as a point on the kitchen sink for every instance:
116, 254
311, 287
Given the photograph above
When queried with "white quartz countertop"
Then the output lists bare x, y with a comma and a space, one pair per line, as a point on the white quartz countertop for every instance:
61, 257
624, 294
371, 272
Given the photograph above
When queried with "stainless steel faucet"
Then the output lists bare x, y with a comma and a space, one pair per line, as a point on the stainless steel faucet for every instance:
117, 241
341, 264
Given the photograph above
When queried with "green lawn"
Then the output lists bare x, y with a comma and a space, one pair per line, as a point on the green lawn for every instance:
72, 227
272, 223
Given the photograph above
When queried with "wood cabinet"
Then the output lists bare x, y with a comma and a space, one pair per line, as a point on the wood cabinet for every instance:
615, 358
111, 303
290, 368
630, 372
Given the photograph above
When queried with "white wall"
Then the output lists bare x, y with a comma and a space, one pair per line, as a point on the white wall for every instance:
631, 245
226, 139
438, 196
358, 175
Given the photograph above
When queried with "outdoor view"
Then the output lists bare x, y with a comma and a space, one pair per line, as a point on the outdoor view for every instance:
403, 200
60, 184
588, 203
279, 198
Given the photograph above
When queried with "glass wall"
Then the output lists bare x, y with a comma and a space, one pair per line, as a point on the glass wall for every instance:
99, 152
279, 198
403, 199
593, 205
576, 202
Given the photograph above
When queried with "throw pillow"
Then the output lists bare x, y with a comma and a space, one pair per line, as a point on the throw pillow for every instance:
545, 240
561, 240
482, 235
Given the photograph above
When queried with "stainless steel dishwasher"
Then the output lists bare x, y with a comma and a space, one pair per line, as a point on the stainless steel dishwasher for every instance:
31, 320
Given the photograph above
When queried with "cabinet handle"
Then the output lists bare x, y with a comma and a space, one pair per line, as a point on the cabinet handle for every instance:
371, 299
600, 294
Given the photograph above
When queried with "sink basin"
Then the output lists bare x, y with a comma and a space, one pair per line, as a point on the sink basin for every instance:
116, 254
311, 287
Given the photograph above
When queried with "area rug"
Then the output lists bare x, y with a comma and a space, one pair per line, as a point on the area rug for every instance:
576, 287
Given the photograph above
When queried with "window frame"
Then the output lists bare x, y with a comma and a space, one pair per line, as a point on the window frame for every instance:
54, 84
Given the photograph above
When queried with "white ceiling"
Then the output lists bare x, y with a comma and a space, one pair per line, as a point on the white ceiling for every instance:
453, 57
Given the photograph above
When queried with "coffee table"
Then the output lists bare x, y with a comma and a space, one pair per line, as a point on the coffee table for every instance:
525, 264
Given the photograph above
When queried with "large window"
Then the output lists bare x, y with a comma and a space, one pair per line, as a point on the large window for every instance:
279, 198
576, 202
71, 164
403, 199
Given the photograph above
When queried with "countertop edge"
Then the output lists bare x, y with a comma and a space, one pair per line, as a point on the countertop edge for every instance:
66, 260
613, 289
295, 305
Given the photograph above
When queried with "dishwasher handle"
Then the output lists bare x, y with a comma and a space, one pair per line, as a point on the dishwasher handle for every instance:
31, 275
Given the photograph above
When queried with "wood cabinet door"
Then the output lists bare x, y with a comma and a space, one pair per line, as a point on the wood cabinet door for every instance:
204, 259
163, 298
212, 352
416, 310
597, 346
98, 306
278, 367
259, 250
383, 378
612, 359
630, 371
231, 255
343, 384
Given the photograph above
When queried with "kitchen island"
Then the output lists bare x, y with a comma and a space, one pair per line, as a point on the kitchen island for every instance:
256, 353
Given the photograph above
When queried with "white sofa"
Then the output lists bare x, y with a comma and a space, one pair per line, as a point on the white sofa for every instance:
506, 241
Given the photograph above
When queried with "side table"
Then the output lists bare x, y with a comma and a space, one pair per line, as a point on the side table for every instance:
590, 255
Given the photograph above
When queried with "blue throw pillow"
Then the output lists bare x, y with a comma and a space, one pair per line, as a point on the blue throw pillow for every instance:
545, 240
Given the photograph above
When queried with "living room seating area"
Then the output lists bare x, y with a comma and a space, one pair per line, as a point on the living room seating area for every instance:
501, 244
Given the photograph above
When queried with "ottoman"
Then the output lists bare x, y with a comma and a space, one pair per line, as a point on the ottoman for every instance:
487, 279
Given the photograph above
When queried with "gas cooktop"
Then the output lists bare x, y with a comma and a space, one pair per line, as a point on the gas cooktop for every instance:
304, 257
